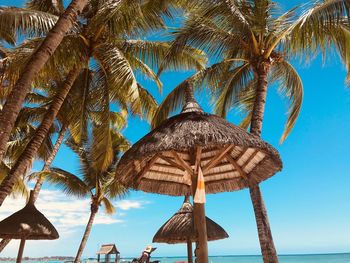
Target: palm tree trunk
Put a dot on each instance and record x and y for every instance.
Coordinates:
(4, 243)
(31, 149)
(94, 210)
(48, 162)
(268, 249)
(37, 61)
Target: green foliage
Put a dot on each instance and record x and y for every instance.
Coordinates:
(98, 160)
(241, 36)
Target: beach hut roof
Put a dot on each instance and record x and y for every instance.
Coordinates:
(180, 228)
(27, 223)
(108, 249)
(230, 157)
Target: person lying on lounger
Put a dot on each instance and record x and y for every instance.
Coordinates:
(145, 256)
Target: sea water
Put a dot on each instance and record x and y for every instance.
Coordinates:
(327, 258)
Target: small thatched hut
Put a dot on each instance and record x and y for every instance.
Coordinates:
(108, 250)
(27, 224)
(180, 229)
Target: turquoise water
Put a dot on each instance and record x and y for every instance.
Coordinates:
(329, 258)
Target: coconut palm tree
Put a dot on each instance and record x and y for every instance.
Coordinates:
(77, 113)
(252, 46)
(105, 39)
(23, 85)
(96, 177)
(73, 118)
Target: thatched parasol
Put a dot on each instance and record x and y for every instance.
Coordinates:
(27, 224)
(180, 229)
(169, 159)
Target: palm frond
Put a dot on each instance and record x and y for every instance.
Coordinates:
(69, 53)
(311, 31)
(109, 207)
(54, 7)
(290, 86)
(20, 188)
(118, 73)
(77, 115)
(126, 17)
(237, 80)
(68, 182)
(156, 54)
(115, 189)
(146, 71)
(147, 102)
(175, 99)
(28, 22)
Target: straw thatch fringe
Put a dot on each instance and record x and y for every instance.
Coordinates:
(150, 164)
(27, 223)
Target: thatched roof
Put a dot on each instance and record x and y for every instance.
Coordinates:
(108, 249)
(27, 223)
(180, 228)
(230, 157)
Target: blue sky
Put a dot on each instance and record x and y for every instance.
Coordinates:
(308, 202)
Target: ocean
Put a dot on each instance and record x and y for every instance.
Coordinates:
(326, 258)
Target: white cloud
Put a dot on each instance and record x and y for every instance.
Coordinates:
(67, 213)
(128, 204)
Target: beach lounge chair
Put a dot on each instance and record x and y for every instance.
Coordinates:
(146, 256)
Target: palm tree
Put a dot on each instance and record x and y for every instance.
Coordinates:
(252, 46)
(73, 117)
(23, 85)
(96, 179)
(105, 38)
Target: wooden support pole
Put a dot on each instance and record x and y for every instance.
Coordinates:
(4, 242)
(189, 251)
(20, 251)
(200, 222)
(201, 228)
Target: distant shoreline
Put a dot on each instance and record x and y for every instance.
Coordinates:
(66, 258)
(53, 258)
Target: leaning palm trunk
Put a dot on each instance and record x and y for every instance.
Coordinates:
(32, 148)
(265, 236)
(41, 179)
(94, 210)
(48, 162)
(39, 58)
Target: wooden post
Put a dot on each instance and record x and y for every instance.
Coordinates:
(200, 223)
(20, 251)
(4, 242)
(189, 251)
(201, 228)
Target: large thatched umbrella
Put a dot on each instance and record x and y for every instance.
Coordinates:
(27, 224)
(191, 145)
(180, 229)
